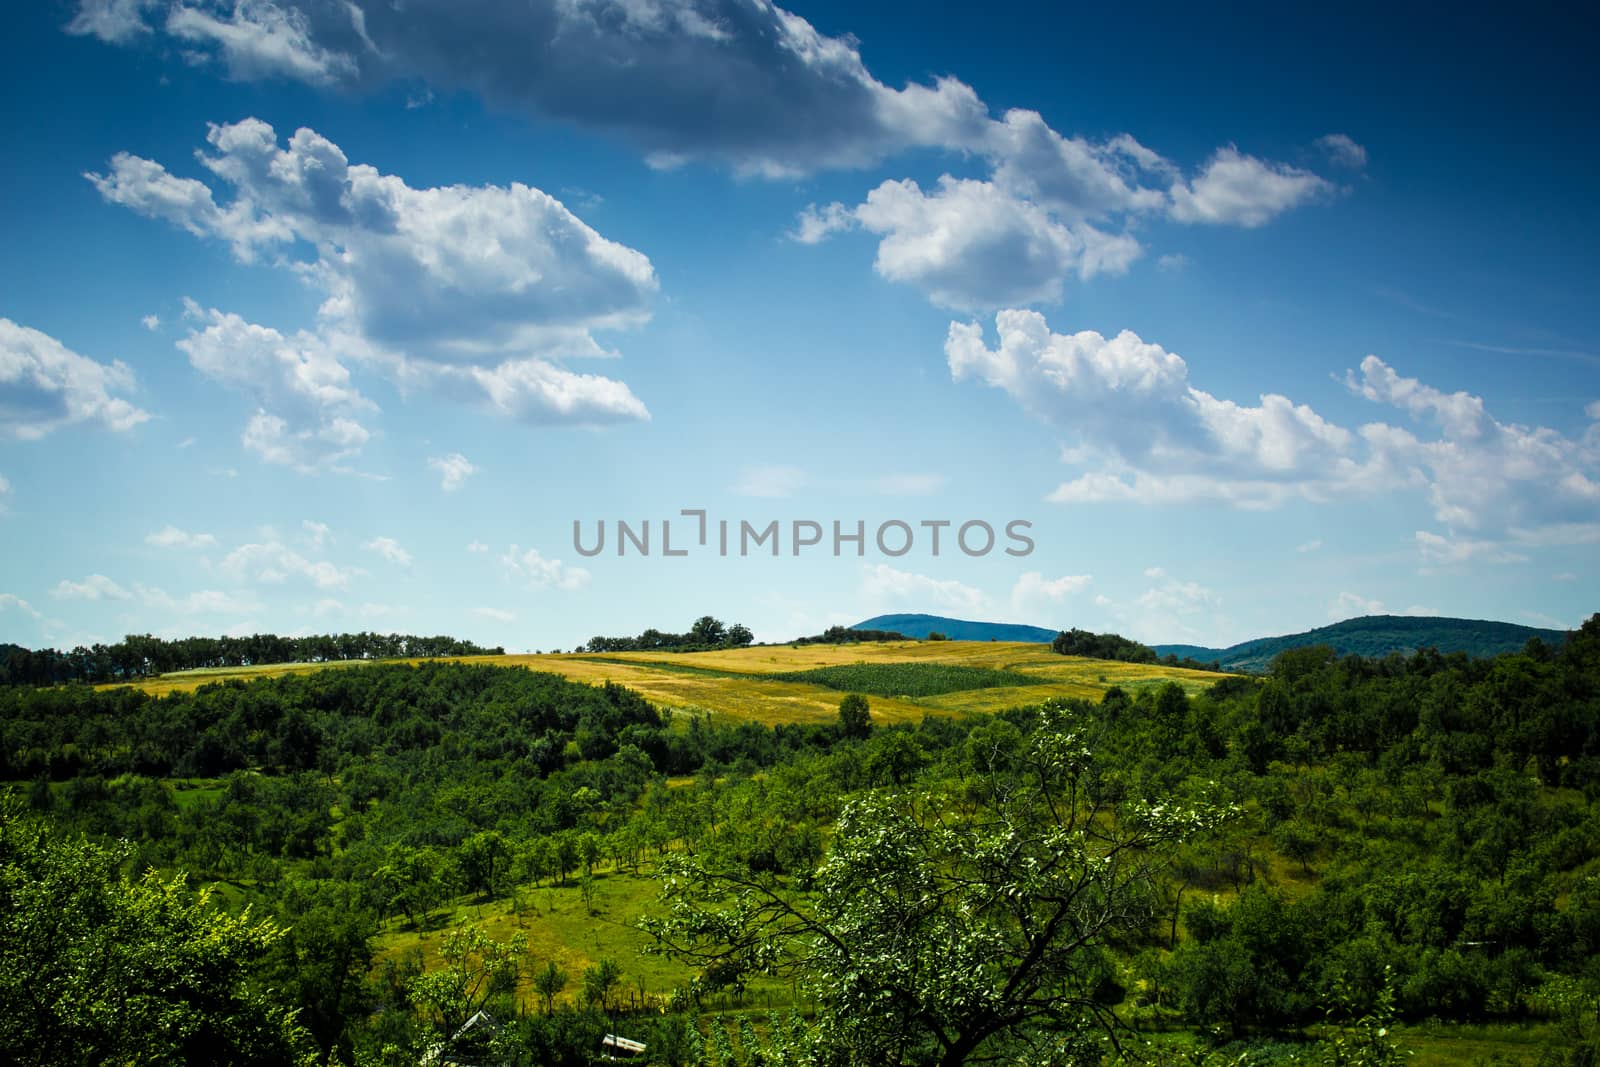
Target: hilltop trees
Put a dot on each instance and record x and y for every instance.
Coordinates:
(707, 632)
(1077, 642)
(139, 655)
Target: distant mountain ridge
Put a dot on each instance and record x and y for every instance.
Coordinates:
(1369, 635)
(1374, 636)
(920, 626)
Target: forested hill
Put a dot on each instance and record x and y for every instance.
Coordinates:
(920, 626)
(1376, 636)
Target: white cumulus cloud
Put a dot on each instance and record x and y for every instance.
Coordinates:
(1235, 189)
(478, 290)
(971, 244)
(1146, 434)
(45, 386)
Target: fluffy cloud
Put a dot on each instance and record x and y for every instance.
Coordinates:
(473, 289)
(94, 587)
(541, 573)
(259, 39)
(457, 273)
(1234, 189)
(170, 536)
(495, 614)
(1133, 399)
(453, 469)
(883, 584)
(970, 244)
(739, 81)
(539, 392)
(44, 386)
(1073, 178)
(271, 562)
(1146, 434)
(758, 88)
(1017, 237)
(296, 374)
(389, 549)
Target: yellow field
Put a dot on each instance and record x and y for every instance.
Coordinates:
(674, 681)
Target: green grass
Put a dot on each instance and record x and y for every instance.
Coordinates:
(908, 679)
(559, 927)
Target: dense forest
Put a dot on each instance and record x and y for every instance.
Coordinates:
(1305, 867)
(140, 655)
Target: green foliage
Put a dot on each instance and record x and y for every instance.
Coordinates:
(476, 968)
(707, 632)
(141, 655)
(1418, 828)
(95, 968)
(548, 983)
(1077, 642)
(855, 716)
(843, 635)
(600, 981)
(931, 938)
(905, 679)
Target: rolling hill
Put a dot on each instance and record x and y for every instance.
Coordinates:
(920, 626)
(1375, 635)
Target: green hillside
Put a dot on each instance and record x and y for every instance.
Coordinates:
(920, 626)
(1376, 636)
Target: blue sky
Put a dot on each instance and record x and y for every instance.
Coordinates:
(318, 315)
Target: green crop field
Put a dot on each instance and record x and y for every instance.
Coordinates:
(908, 679)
